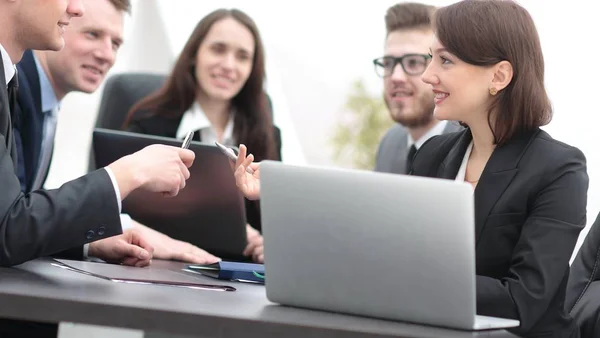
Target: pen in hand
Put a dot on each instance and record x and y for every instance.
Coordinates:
(229, 153)
(187, 140)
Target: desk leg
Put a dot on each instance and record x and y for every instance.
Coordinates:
(76, 330)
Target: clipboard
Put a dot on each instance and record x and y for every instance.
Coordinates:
(134, 275)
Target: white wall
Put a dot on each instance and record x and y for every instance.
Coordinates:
(315, 49)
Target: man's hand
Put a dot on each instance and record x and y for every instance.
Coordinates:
(158, 168)
(255, 247)
(129, 248)
(169, 248)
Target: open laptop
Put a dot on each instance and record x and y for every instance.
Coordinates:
(209, 212)
(380, 245)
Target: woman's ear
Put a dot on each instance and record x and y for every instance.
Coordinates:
(503, 74)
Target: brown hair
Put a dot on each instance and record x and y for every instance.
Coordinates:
(253, 122)
(483, 33)
(122, 5)
(408, 15)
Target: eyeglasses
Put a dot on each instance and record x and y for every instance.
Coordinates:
(412, 64)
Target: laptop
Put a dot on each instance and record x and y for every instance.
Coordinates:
(209, 212)
(388, 246)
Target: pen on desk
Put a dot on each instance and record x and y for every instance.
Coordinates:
(187, 140)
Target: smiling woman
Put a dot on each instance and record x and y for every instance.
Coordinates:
(487, 70)
(216, 91)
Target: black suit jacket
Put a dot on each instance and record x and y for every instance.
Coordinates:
(46, 222)
(530, 205)
(583, 290)
(30, 119)
(167, 127)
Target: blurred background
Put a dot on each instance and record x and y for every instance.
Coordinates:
(326, 97)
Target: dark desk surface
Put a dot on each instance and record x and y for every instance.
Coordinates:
(38, 291)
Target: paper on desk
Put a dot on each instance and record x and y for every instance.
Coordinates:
(134, 275)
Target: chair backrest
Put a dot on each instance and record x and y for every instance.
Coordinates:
(121, 92)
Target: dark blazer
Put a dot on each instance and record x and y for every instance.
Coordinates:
(530, 205)
(46, 222)
(30, 120)
(393, 148)
(583, 290)
(167, 127)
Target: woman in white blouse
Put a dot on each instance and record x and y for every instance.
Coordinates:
(216, 90)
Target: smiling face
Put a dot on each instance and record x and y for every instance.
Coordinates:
(224, 60)
(408, 98)
(47, 22)
(461, 89)
(91, 46)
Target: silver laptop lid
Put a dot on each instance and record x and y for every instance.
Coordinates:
(382, 245)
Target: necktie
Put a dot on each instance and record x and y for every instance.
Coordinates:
(13, 86)
(409, 158)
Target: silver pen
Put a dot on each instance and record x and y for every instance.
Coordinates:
(187, 140)
(229, 153)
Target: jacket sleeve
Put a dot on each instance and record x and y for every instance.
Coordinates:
(46, 222)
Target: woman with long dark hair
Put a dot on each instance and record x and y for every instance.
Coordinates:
(216, 90)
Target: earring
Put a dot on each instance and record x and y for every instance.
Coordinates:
(493, 91)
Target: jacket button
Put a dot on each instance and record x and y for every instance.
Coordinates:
(101, 230)
(90, 234)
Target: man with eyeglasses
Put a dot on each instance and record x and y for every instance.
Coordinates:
(409, 100)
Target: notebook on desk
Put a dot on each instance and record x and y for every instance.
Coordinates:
(230, 271)
(388, 246)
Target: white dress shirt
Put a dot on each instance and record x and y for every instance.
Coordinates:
(9, 67)
(438, 129)
(195, 119)
(462, 171)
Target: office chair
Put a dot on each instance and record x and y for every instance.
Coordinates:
(120, 93)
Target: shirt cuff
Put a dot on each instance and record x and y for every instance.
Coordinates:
(86, 248)
(126, 222)
(113, 179)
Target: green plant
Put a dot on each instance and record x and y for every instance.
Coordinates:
(360, 128)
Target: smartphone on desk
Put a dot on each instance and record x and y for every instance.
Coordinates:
(232, 155)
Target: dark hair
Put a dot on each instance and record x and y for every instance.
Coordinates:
(408, 15)
(253, 121)
(483, 33)
(122, 5)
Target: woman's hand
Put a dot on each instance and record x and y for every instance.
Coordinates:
(249, 184)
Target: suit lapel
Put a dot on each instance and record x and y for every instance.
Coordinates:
(498, 173)
(28, 69)
(449, 167)
(5, 121)
(31, 127)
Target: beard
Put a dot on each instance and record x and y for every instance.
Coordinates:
(422, 116)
